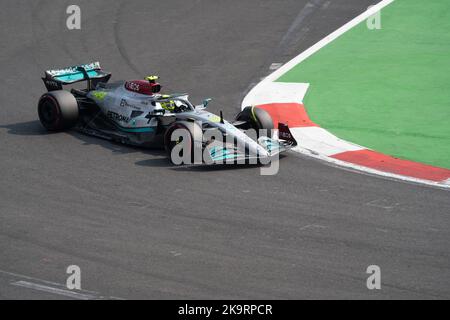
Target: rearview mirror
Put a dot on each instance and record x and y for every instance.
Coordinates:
(206, 101)
(204, 104)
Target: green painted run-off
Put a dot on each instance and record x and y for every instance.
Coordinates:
(387, 89)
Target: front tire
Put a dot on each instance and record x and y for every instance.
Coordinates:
(194, 145)
(257, 119)
(58, 110)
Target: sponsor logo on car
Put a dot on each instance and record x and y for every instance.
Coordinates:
(124, 103)
(133, 86)
(74, 69)
(214, 118)
(117, 117)
(52, 84)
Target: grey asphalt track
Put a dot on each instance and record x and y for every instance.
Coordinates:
(140, 228)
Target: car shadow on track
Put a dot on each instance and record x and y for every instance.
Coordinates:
(29, 128)
(216, 167)
(195, 168)
(34, 128)
(158, 156)
(202, 167)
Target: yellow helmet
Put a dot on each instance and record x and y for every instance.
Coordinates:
(152, 78)
(168, 105)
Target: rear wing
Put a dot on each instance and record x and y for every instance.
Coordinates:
(92, 73)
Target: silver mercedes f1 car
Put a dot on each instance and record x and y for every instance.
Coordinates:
(135, 112)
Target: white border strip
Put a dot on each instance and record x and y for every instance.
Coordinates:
(53, 290)
(349, 165)
(276, 92)
(322, 43)
(21, 280)
(310, 51)
(253, 93)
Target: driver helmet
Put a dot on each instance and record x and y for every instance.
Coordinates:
(168, 105)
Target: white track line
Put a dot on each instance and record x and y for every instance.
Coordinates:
(276, 92)
(21, 280)
(322, 141)
(252, 95)
(53, 290)
(349, 165)
(322, 43)
(260, 95)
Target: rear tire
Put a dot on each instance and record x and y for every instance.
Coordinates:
(257, 119)
(58, 110)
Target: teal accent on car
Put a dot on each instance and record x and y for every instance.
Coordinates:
(271, 145)
(76, 76)
(223, 154)
(224, 157)
(136, 130)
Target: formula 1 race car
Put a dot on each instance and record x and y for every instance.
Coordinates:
(135, 112)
